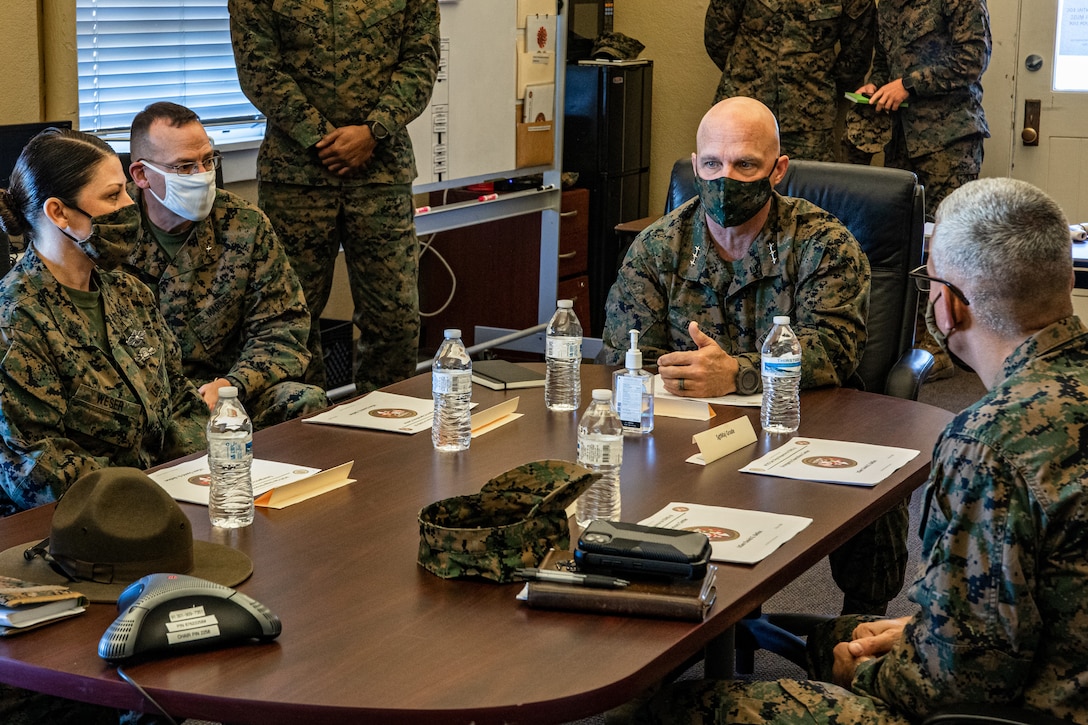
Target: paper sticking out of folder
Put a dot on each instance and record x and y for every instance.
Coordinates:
(275, 484)
(306, 488)
(494, 417)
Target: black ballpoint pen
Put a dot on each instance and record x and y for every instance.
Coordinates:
(598, 581)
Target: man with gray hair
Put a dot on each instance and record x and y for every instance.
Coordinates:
(1003, 594)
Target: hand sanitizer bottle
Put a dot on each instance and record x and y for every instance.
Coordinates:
(633, 397)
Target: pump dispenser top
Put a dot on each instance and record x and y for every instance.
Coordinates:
(634, 355)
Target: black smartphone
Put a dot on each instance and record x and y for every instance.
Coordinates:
(616, 546)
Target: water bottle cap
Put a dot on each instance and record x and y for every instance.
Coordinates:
(781, 319)
(451, 332)
(565, 304)
(228, 391)
(602, 394)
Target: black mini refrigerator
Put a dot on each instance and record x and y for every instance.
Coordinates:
(606, 141)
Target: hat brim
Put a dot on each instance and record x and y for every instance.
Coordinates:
(215, 562)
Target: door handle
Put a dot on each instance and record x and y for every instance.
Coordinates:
(1030, 133)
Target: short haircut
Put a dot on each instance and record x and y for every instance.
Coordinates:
(1008, 243)
(174, 114)
(58, 162)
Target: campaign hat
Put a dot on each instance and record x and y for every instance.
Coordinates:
(114, 526)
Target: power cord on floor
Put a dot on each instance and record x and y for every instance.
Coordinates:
(143, 693)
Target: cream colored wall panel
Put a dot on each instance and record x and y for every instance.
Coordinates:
(684, 78)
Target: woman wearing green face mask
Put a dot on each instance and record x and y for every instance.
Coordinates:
(89, 374)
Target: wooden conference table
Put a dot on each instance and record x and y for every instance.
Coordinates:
(368, 635)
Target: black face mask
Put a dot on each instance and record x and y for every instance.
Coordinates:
(730, 202)
(113, 236)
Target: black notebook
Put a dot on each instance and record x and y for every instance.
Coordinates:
(505, 375)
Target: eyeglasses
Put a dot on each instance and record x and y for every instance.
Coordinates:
(191, 167)
(925, 282)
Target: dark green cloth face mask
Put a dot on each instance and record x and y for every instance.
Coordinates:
(730, 202)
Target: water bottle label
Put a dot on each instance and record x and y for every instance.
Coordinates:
(599, 451)
(783, 365)
(234, 450)
(563, 348)
(629, 392)
(451, 381)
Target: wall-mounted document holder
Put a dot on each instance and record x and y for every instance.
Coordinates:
(534, 142)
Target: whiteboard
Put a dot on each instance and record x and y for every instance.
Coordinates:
(468, 129)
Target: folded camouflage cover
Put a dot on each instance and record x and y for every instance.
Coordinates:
(512, 522)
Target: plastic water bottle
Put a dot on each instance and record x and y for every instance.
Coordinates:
(600, 449)
(563, 352)
(781, 365)
(230, 457)
(451, 386)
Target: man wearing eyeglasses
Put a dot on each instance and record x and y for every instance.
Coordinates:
(1002, 615)
(223, 281)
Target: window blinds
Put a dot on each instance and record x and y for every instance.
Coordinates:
(135, 52)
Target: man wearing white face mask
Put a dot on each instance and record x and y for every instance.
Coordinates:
(223, 281)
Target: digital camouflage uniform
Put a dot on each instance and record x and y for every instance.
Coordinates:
(236, 307)
(796, 56)
(312, 66)
(818, 275)
(66, 406)
(941, 48)
(1004, 587)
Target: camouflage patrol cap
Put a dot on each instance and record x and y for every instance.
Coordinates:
(867, 129)
(616, 46)
(512, 522)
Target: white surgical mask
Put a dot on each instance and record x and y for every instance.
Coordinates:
(190, 196)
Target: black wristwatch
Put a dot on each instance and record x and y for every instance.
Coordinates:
(908, 85)
(747, 380)
(377, 130)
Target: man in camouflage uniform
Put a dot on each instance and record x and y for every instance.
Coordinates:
(932, 54)
(222, 279)
(703, 284)
(1003, 595)
(798, 57)
(339, 80)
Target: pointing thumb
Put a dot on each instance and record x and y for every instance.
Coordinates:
(697, 336)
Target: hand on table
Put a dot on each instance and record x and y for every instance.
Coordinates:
(706, 372)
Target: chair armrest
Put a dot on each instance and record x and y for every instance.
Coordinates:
(980, 714)
(909, 372)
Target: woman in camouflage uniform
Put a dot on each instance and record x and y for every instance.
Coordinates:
(89, 374)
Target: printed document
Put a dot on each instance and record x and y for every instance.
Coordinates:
(815, 459)
(737, 536)
(381, 411)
